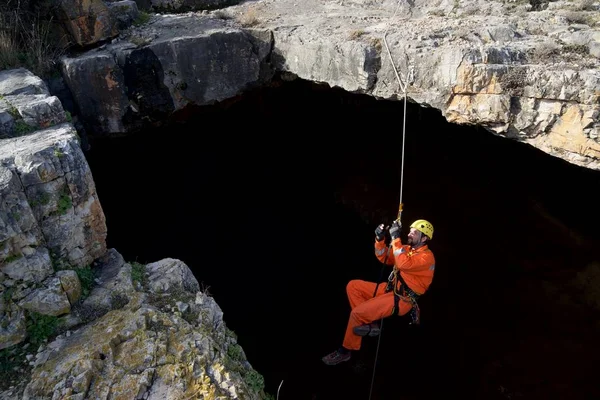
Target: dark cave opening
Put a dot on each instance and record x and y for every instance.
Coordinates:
(272, 200)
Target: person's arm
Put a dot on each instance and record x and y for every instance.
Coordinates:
(381, 252)
(407, 260)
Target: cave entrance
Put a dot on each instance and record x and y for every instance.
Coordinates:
(272, 200)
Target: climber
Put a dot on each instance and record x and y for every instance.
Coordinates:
(413, 267)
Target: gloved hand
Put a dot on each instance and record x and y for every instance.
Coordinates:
(380, 232)
(395, 230)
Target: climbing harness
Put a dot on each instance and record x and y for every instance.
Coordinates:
(397, 297)
(403, 292)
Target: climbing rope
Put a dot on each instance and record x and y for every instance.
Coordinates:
(402, 85)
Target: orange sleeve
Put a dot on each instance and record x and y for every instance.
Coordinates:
(381, 251)
(408, 261)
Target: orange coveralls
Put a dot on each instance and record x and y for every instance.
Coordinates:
(416, 267)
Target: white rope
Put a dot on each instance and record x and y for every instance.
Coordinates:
(402, 85)
(403, 88)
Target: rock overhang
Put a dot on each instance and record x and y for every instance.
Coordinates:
(486, 70)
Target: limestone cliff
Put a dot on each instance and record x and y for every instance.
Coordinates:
(76, 320)
(526, 70)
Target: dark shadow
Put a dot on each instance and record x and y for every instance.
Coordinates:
(272, 199)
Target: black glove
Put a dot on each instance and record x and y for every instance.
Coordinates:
(395, 230)
(380, 232)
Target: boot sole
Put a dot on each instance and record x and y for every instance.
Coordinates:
(366, 331)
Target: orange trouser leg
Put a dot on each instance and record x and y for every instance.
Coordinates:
(366, 308)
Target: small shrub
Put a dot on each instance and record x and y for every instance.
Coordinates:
(545, 52)
(12, 257)
(87, 313)
(255, 381)
(514, 80)
(437, 13)
(12, 361)
(220, 14)
(64, 204)
(356, 34)
(22, 128)
(586, 5)
(86, 277)
(142, 18)
(12, 110)
(576, 17)
(40, 327)
(235, 352)
(139, 41)
(538, 5)
(118, 300)
(7, 295)
(138, 273)
(41, 198)
(376, 42)
(576, 49)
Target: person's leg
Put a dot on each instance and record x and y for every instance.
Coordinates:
(359, 291)
(371, 310)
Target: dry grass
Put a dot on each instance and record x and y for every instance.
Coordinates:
(27, 39)
(356, 34)
(9, 50)
(249, 18)
(376, 43)
(584, 5)
(576, 17)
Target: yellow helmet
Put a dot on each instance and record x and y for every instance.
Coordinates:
(424, 227)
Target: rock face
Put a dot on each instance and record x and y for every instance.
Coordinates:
(525, 70)
(50, 218)
(49, 202)
(172, 62)
(26, 104)
(88, 21)
(141, 332)
(124, 12)
(527, 75)
(187, 5)
(165, 339)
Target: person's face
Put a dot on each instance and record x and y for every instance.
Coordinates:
(414, 237)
